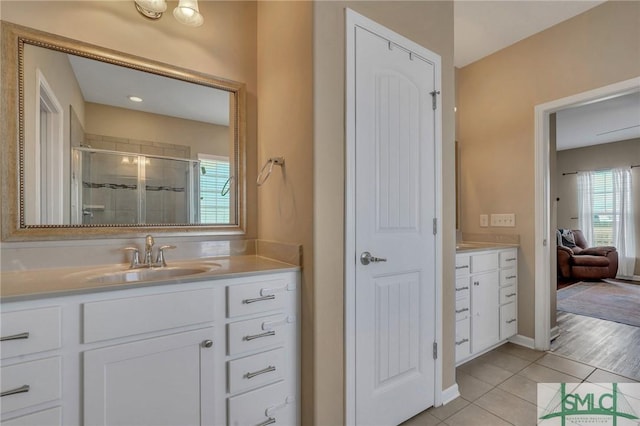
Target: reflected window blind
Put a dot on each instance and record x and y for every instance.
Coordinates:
(604, 210)
(214, 173)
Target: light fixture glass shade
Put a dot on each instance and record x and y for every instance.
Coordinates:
(152, 9)
(187, 13)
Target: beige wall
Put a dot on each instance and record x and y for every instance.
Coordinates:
(429, 24)
(606, 156)
(285, 128)
(497, 96)
(224, 46)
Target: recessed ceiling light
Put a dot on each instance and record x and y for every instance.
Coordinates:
(135, 99)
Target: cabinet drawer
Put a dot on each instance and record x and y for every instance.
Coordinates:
(508, 321)
(508, 294)
(462, 265)
(30, 331)
(111, 319)
(256, 370)
(40, 381)
(255, 334)
(462, 309)
(51, 417)
(462, 288)
(484, 262)
(462, 339)
(257, 297)
(509, 258)
(508, 276)
(269, 405)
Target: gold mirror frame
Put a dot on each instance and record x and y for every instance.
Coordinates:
(13, 227)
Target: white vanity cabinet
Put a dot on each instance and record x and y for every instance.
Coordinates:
(218, 352)
(486, 300)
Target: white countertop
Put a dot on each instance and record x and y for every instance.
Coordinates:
(470, 246)
(40, 283)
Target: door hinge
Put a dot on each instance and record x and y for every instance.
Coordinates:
(435, 350)
(435, 225)
(434, 95)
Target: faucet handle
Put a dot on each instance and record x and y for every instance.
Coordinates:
(160, 259)
(135, 256)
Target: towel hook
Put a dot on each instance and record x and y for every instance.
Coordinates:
(262, 176)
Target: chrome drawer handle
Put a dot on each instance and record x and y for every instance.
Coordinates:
(462, 267)
(459, 311)
(257, 336)
(511, 320)
(511, 259)
(270, 421)
(461, 342)
(21, 389)
(510, 295)
(510, 277)
(15, 337)
(462, 288)
(269, 369)
(259, 299)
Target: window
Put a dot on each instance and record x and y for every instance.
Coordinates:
(214, 175)
(604, 213)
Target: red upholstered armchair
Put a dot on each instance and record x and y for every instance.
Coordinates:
(583, 262)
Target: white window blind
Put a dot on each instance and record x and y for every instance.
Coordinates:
(214, 174)
(605, 213)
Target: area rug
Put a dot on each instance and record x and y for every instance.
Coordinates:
(611, 301)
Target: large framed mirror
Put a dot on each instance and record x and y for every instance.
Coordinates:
(99, 143)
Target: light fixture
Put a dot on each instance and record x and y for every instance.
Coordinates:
(134, 98)
(186, 13)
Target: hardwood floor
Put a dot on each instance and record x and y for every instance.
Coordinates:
(605, 344)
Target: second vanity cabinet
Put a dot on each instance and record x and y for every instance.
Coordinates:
(486, 300)
(218, 352)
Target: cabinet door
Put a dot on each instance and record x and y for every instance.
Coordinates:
(485, 323)
(161, 381)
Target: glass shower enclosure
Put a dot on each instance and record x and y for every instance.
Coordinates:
(112, 187)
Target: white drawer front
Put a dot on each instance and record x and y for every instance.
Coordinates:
(269, 405)
(462, 309)
(111, 319)
(257, 297)
(50, 417)
(462, 339)
(508, 276)
(509, 258)
(484, 262)
(508, 294)
(462, 288)
(256, 370)
(463, 266)
(30, 331)
(508, 321)
(255, 334)
(42, 378)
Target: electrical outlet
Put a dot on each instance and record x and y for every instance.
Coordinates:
(503, 220)
(484, 220)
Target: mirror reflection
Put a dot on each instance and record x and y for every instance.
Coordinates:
(109, 145)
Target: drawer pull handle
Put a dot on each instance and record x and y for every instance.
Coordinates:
(510, 259)
(259, 299)
(269, 421)
(21, 389)
(462, 288)
(269, 369)
(459, 311)
(511, 320)
(15, 337)
(257, 336)
(510, 295)
(462, 267)
(510, 277)
(461, 342)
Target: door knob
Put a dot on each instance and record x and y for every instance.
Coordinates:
(207, 344)
(366, 258)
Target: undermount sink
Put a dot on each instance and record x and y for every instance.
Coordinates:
(150, 274)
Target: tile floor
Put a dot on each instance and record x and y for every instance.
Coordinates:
(499, 387)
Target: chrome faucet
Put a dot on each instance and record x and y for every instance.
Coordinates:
(148, 255)
(148, 250)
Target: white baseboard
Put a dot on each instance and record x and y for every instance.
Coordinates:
(555, 332)
(521, 340)
(636, 278)
(450, 394)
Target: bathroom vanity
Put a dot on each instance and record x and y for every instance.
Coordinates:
(486, 298)
(212, 349)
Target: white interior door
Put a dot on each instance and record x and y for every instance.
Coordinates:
(395, 206)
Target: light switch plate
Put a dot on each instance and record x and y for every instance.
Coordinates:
(484, 220)
(507, 220)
